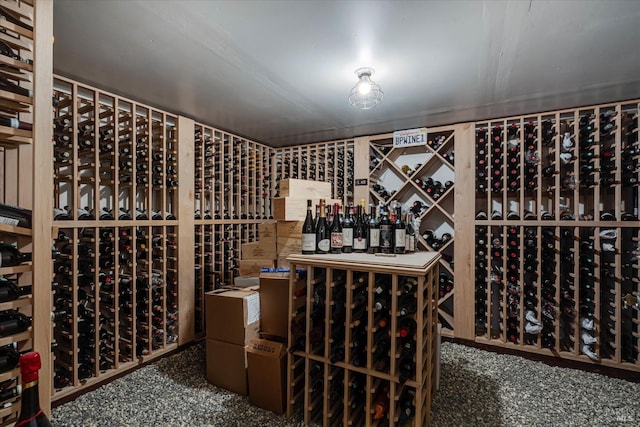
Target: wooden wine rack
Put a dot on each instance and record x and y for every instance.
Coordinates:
(401, 173)
(233, 192)
(20, 176)
(329, 162)
(564, 241)
(344, 390)
(121, 284)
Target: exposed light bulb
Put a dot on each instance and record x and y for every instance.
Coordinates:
(364, 88)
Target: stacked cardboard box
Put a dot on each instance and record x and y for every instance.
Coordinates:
(294, 193)
(277, 241)
(232, 320)
(290, 210)
(274, 306)
(267, 374)
(262, 253)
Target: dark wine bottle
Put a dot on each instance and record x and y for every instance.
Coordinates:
(9, 290)
(336, 231)
(30, 413)
(386, 233)
(15, 216)
(308, 232)
(374, 232)
(8, 358)
(359, 232)
(347, 231)
(13, 322)
(400, 232)
(10, 256)
(15, 123)
(9, 16)
(323, 243)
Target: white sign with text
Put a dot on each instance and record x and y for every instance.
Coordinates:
(410, 137)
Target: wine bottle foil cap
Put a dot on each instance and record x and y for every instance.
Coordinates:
(30, 364)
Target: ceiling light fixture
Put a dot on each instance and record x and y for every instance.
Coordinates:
(366, 94)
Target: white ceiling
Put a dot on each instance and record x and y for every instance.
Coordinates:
(280, 72)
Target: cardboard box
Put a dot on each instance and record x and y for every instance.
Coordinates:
(305, 189)
(247, 282)
(295, 209)
(251, 267)
(227, 366)
(290, 228)
(274, 305)
(267, 231)
(267, 374)
(283, 262)
(289, 245)
(260, 250)
(232, 315)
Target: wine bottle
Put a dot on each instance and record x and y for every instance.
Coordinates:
(400, 232)
(360, 232)
(386, 232)
(9, 16)
(15, 216)
(336, 231)
(15, 123)
(9, 290)
(30, 412)
(347, 231)
(374, 232)
(308, 232)
(10, 256)
(13, 322)
(323, 243)
(381, 402)
(8, 358)
(407, 304)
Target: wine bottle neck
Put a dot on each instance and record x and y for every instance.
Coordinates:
(30, 403)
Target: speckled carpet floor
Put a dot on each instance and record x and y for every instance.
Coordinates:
(477, 388)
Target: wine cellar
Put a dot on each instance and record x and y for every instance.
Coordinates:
(509, 234)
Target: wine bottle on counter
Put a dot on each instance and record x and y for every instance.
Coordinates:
(336, 231)
(308, 232)
(360, 232)
(347, 230)
(374, 232)
(323, 243)
(386, 232)
(399, 229)
(30, 412)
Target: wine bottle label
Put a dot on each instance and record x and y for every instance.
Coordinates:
(324, 245)
(386, 236)
(360, 243)
(410, 242)
(8, 221)
(347, 236)
(336, 240)
(400, 237)
(374, 237)
(308, 242)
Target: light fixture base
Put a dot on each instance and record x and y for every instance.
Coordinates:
(364, 71)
